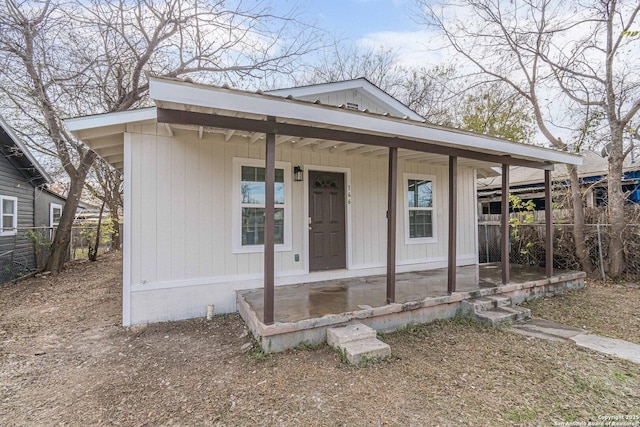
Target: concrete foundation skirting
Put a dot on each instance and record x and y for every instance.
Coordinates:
(388, 318)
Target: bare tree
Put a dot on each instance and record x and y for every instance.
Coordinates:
(347, 61)
(430, 92)
(559, 58)
(427, 91)
(60, 58)
(106, 184)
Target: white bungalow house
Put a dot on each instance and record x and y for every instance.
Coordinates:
(357, 183)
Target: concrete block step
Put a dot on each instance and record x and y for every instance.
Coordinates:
(477, 305)
(521, 313)
(502, 315)
(340, 336)
(499, 300)
(358, 351)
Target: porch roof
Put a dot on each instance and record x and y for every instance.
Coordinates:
(305, 125)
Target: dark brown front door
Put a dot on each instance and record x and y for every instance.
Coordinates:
(327, 249)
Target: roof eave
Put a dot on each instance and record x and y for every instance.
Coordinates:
(39, 172)
(189, 94)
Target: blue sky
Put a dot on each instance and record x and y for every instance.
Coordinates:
(355, 19)
(371, 24)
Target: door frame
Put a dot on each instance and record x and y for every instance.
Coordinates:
(347, 203)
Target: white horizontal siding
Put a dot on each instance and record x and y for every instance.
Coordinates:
(181, 210)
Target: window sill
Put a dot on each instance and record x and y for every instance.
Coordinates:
(8, 233)
(420, 241)
(260, 249)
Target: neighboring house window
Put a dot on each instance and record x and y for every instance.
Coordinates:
(249, 187)
(55, 212)
(9, 215)
(420, 218)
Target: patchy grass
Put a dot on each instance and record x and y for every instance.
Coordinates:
(608, 309)
(91, 371)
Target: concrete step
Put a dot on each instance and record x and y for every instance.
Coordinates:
(358, 342)
(359, 351)
(502, 315)
(521, 313)
(340, 336)
(499, 300)
(477, 305)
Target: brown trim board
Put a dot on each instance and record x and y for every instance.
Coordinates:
(302, 131)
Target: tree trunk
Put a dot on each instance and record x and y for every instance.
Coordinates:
(93, 251)
(62, 238)
(115, 221)
(578, 222)
(615, 198)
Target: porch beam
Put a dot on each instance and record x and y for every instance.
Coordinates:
(347, 146)
(325, 145)
(305, 142)
(361, 150)
(269, 226)
(504, 225)
(282, 139)
(228, 134)
(392, 196)
(453, 226)
(548, 219)
(303, 131)
(254, 138)
(377, 151)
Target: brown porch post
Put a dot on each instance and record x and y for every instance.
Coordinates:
(504, 225)
(269, 226)
(453, 215)
(548, 219)
(392, 192)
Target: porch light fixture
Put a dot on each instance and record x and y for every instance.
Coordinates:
(298, 173)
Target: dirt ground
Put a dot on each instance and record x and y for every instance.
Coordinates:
(65, 360)
(608, 309)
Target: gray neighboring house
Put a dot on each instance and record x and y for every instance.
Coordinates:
(22, 178)
(48, 208)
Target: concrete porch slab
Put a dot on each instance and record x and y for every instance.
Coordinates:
(304, 312)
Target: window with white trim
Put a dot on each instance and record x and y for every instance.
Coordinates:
(55, 212)
(249, 210)
(420, 216)
(9, 205)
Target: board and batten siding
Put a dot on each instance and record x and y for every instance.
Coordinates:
(353, 96)
(15, 184)
(181, 213)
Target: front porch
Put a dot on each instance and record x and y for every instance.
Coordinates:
(304, 312)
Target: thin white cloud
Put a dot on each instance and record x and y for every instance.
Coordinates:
(413, 48)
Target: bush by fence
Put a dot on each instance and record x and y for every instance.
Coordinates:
(527, 245)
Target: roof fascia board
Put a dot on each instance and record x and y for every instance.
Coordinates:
(76, 124)
(162, 90)
(25, 151)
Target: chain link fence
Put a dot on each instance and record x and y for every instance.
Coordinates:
(527, 246)
(27, 251)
